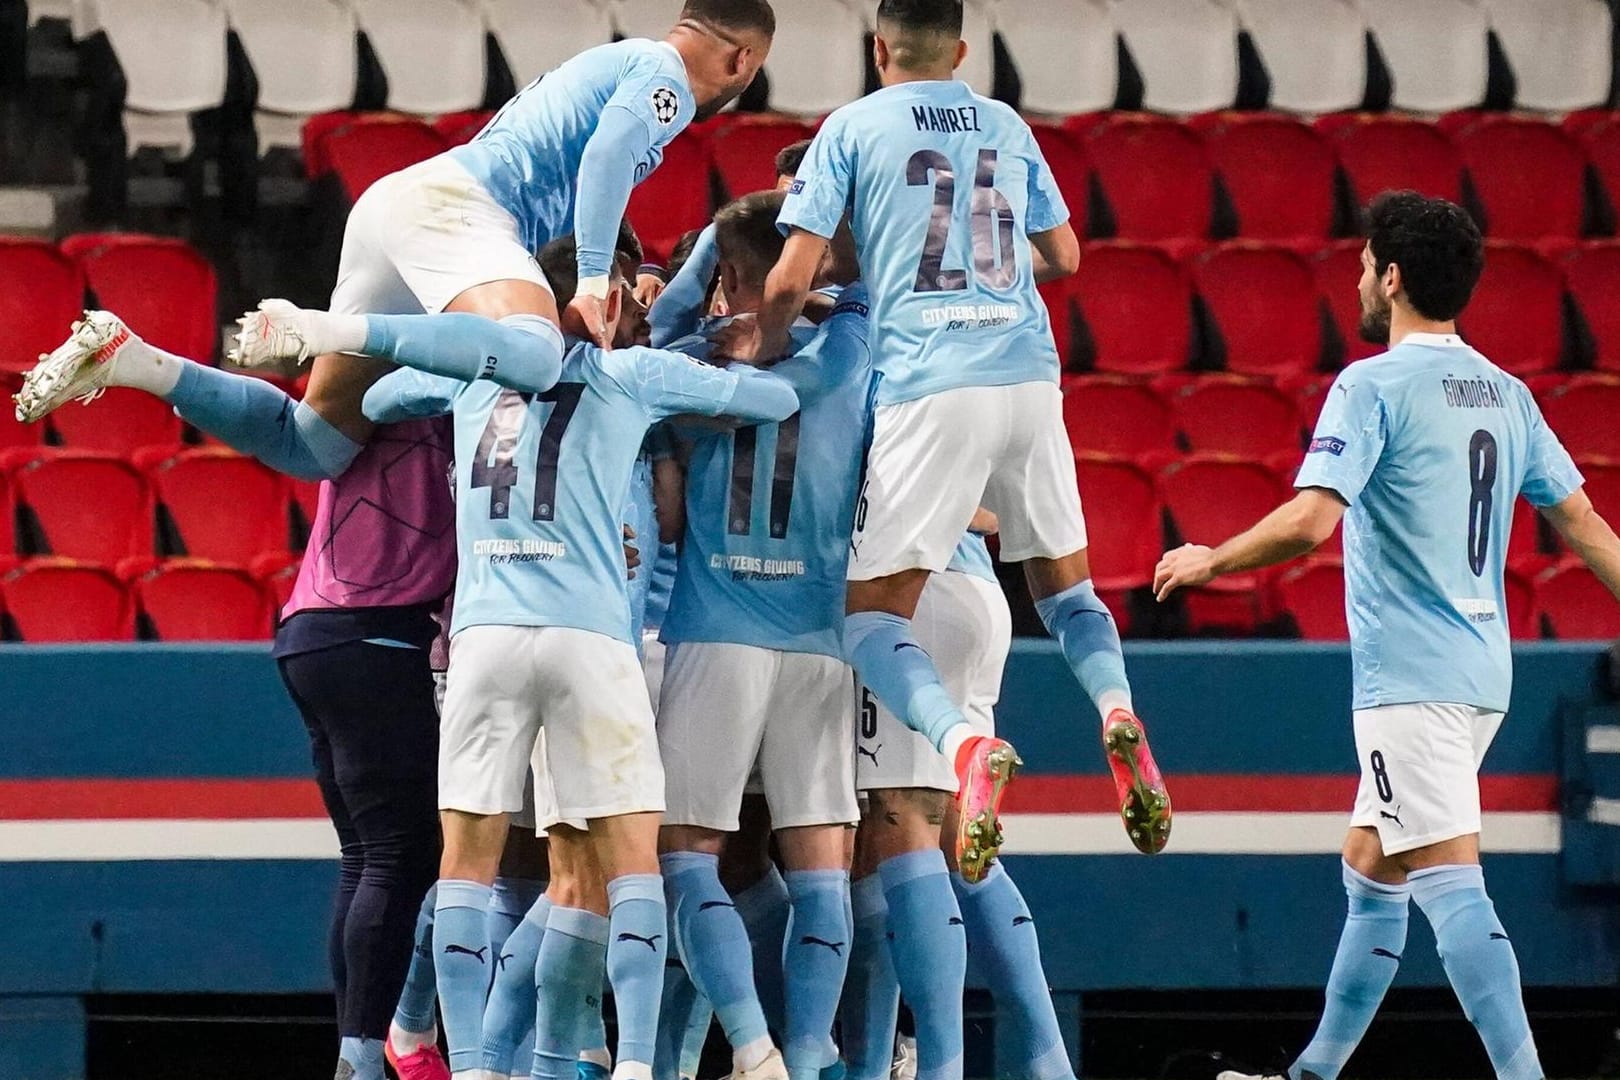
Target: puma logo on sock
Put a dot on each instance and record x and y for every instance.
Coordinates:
(707, 904)
(1020, 920)
(1386, 954)
(650, 942)
(955, 921)
(1498, 937)
(500, 961)
(477, 954)
(837, 947)
(908, 645)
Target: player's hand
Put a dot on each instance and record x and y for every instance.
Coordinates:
(649, 287)
(1187, 567)
(739, 341)
(592, 311)
(632, 553)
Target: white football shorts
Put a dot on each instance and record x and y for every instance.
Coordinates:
(1420, 772)
(725, 706)
(419, 238)
(600, 753)
(936, 460)
(964, 624)
(652, 665)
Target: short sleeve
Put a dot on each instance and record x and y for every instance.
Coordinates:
(821, 191)
(1550, 475)
(669, 384)
(1047, 210)
(1349, 438)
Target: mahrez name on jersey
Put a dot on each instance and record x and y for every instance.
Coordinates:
(946, 120)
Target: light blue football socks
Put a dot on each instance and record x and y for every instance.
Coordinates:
(816, 960)
(461, 957)
(871, 1002)
(509, 1015)
(883, 651)
(1086, 632)
(637, 947)
(929, 946)
(568, 980)
(521, 352)
(763, 908)
(1369, 955)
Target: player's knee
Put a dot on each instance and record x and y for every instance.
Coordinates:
(533, 351)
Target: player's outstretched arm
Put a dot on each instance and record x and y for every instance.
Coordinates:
(1295, 528)
(607, 172)
(410, 395)
(766, 337)
(1589, 536)
(679, 309)
(1057, 253)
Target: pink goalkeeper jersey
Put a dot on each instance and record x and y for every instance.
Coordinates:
(385, 531)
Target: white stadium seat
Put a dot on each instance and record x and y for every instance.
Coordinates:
(1560, 51)
(303, 57)
(173, 56)
(49, 9)
(818, 60)
(1186, 51)
(644, 18)
(536, 38)
(1437, 51)
(979, 31)
(432, 52)
(1315, 52)
(1076, 71)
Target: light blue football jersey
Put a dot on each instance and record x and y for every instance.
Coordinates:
(972, 557)
(650, 588)
(529, 156)
(1430, 444)
(770, 508)
(944, 188)
(543, 480)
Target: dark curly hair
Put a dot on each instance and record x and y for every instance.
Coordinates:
(1436, 244)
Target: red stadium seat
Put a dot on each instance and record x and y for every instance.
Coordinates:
(120, 421)
(13, 432)
(1593, 275)
(745, 152)
(675, 198)
(1313, 594)
(458, 129)
(1603, 486)
(1338, 282)
(82, 506)
(162, 287)
(1599, 133)
(1212, 497)
(1134, 306)
(1584, 412)
(1059, 299)
(1278, 172)
(1516, 317)
(1380, 153)
(221, 505)
(64, 600)
(196, 600)
(370, 147)
(1575, 606)
(1263, 304)
(1524, 538)
(1529, 176)
(41, 293)
(276, 573)
(1520, 592)
(1107, 414)
(1156, 175)
(1231, 415)
(1124, 551)
(1066, 156)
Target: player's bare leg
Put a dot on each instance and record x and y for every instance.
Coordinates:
(715, 947)
(1086, 631)
(904, 895)
(900, 672)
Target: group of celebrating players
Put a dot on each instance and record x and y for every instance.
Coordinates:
(721, 591)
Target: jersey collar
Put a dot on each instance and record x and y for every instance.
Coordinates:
(1435, 341)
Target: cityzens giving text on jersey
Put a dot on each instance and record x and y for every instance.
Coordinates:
(503, 552)
(753, 568)
(954, 317)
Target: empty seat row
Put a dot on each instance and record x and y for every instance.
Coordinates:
(1565, 602)
(162, 287)
(204, 502)
(1144, 309)
(56, 599)
(1155, 421)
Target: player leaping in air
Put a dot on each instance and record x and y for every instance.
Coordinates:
(956, 218)
(451, 237)
(1422, 452)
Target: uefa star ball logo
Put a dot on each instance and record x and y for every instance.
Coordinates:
(665, 105)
